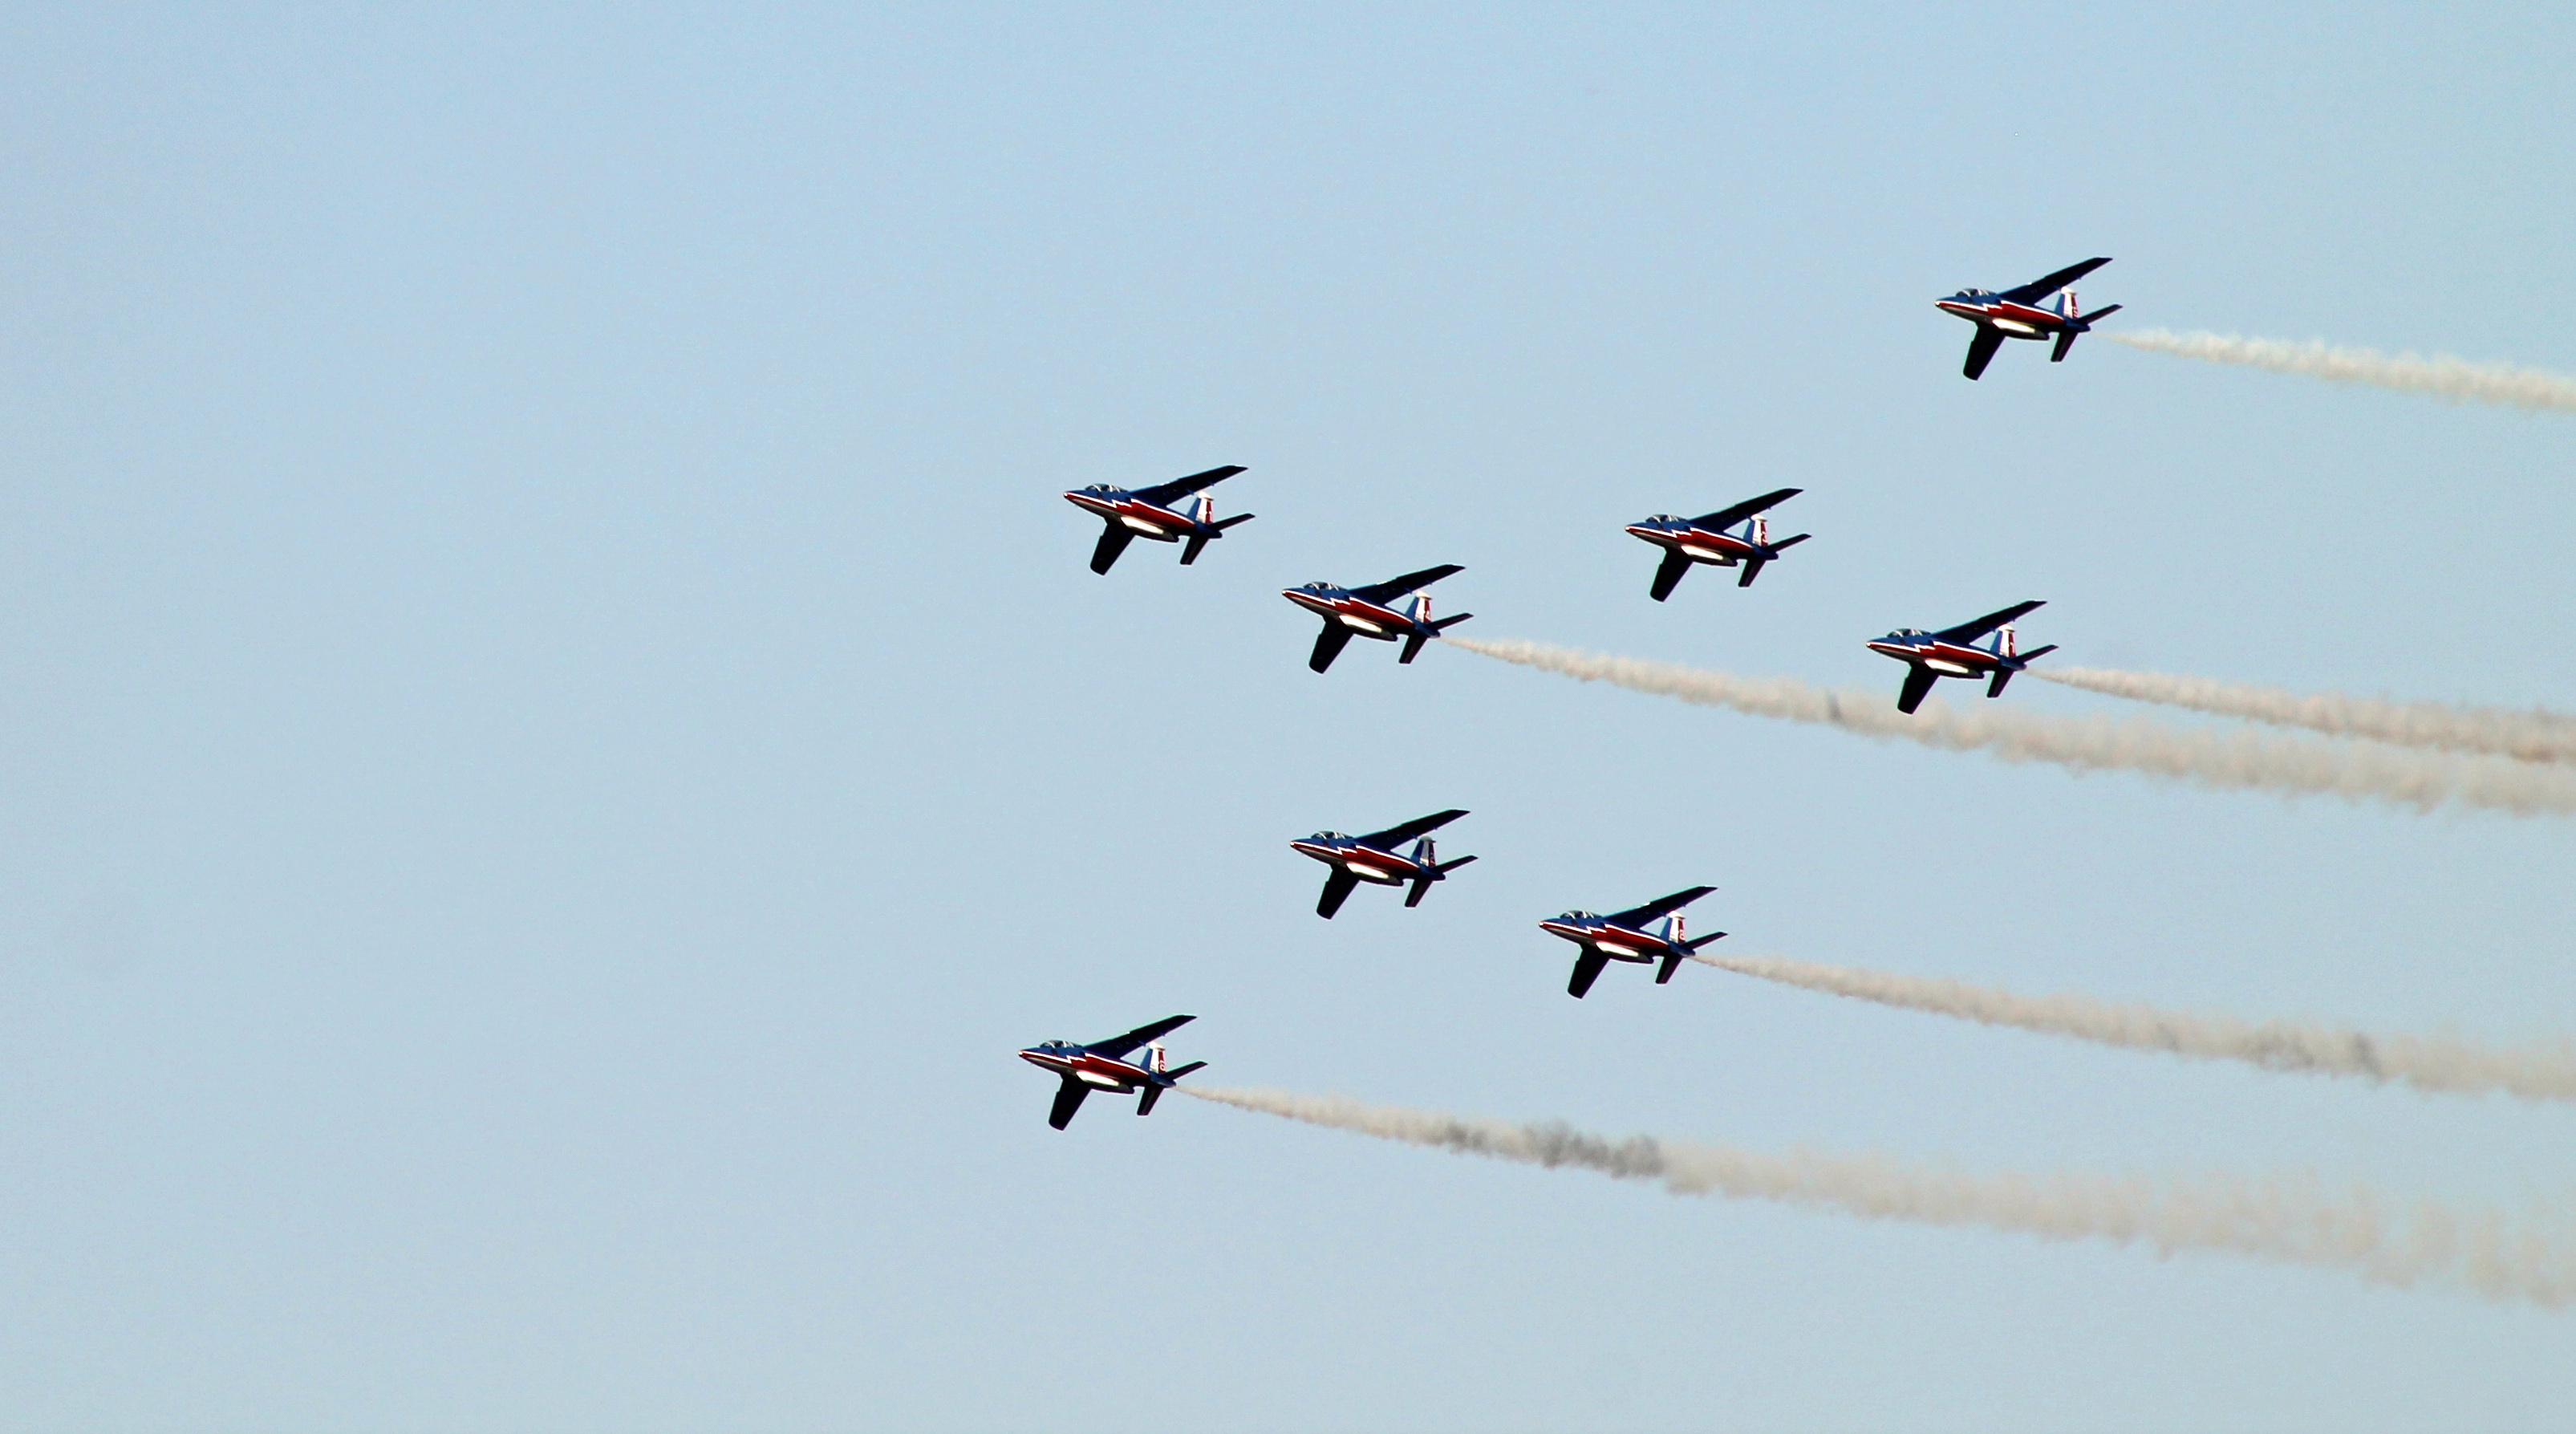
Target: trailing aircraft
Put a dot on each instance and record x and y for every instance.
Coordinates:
(2019, 314)
(1705, 539)
(1103, 1065)
(1373, 857)
(1952, 652)
(1622, 936)
(1130, 513)
(1363, 612)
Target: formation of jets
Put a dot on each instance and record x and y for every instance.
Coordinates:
(1399, 611)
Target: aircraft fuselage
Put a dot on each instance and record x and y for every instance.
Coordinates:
(1617, 942)
(1362, 617)
(1144, 519)
(1700, 545)
(1089, 1067)
(1366, 862)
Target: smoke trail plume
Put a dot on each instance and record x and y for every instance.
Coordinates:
(2289, 1220)
(2428, 1063)
(2442, 375)
(2239, 760)
(2534, 736)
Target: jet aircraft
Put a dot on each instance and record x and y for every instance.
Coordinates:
(1622, 936)
(1952, 652)
(1103, 1065)
(1363, 612)
(1128, 514)
(2019, 314)
(1373, 857)
(1704, 539)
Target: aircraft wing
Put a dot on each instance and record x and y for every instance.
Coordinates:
(1746, 509)
(1162, 493)
(1068, 1099)
(1407, 831)
(1971, 631)
(1636, 916)
(1117, 1047)
(2054, 282)
(1398, 587)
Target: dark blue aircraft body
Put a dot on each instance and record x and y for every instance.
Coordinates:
(1623, 936)
(1147, 513)
(1354, 859)
(1103, 1065)
(1952, 652)
(1706, 539)
(1365, 612)
(2022, 314)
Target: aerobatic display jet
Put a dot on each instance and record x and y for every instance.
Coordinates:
(1131, 513)
(1103, 1065)
(1363, 612)
(1623, 936)
(1705, 539)
(1952, 652)
(2021, 314)
(1373, 857)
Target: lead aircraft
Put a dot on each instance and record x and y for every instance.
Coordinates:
(2019, 314)
(1363, 612)
(1147, 513)
(1705, 539)
(1103, 1065)
(1373, 857)
(1622, 936)
(1952, 652)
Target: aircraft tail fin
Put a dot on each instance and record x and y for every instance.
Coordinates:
(1426, 856)
(2004, 640)
(1206, 513)
(1155, 1058)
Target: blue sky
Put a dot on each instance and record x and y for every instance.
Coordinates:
(557, 734)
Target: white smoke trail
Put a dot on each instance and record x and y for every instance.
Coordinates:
(2443, 376)
(2536, 735)
(2289, 1220)
(2428, 1063)
(2238, 760)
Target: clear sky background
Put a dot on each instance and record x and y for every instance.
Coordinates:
(555, 733)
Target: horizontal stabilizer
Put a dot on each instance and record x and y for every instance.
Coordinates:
(1447, 867)
(1672, 963)
(2098, 315)
(1421, 884)
(1224, 523)
(2037, 652)
(2065, 341)
(1790, 542)
(1198, 545)
(1447, 623)
(1145, 1102)
(1696, 942)
(1752, 569)
(1176, 1072)
(1995, 684)
(1413, 647)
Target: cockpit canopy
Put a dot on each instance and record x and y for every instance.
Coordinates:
(1318, 585)
(1663, 518)
(1976, 293)
(1098, 488)
(1911, 632)
(1328, 836)
(1580, 916)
